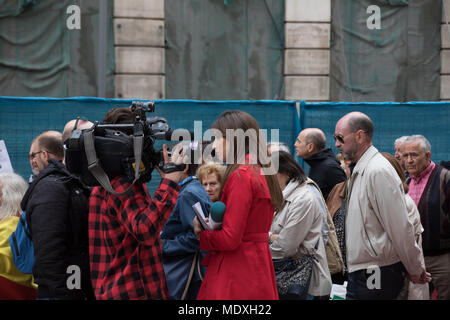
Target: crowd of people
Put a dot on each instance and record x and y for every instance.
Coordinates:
(376, 222)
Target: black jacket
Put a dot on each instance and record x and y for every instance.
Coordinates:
(325, 170)
(60, 237)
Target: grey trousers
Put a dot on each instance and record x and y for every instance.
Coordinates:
(439, 267)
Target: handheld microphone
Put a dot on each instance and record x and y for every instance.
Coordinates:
(216, 214)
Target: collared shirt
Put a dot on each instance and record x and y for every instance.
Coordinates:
(188, 179)
(124, 243)
(418, 183)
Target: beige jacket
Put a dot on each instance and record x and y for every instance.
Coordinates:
(378, 231)
(299, 228)
(332, 250)
(416, 291)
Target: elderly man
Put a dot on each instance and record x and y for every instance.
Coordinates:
(430, 190)
(379, 237)
(325, 169)
(398, 147)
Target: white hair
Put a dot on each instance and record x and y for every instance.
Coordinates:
(13, 189)
(424, 143)
(401, 140)
(280, 145)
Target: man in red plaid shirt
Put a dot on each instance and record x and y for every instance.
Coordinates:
(124, 243)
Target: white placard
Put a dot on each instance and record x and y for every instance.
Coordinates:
(5, 162)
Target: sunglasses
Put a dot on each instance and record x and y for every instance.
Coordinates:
(340, 138)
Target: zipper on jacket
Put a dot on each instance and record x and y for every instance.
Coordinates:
(367, 235)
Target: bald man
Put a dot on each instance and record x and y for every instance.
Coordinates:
(57, 205)
(380, 241)
(48, 145)
(325, 169)
(74, 124)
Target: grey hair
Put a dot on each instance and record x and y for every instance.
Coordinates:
(401, 140)
(281, 146)
(424, 143)
(13, 189)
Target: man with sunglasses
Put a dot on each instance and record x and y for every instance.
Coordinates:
(380, 241)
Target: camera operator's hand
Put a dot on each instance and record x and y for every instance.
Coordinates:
(177, 157)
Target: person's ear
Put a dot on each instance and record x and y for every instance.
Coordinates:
(46, 155)
(428, 155)
(359, 136)
(310, 147)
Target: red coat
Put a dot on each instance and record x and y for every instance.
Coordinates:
(239, 261)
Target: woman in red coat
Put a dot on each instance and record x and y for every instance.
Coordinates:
(239, 263)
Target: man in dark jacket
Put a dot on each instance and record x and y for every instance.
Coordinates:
(57, 205)
(430, 189)
(325, 169)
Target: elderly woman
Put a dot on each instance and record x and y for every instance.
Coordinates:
(211, 176)
(296, 231)
(14, 284)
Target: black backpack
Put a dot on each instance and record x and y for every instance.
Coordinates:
(78, 219)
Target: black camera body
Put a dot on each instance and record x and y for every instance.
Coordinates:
(114, 146)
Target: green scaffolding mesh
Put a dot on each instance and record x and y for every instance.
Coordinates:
(224, 50)
(41, 57)
(394, 58)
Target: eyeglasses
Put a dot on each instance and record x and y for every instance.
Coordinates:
(33, 154)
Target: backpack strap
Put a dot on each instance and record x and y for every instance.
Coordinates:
(99, 173)
(191, 273)
(24, 225)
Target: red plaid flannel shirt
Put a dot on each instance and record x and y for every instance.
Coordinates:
(124, 244)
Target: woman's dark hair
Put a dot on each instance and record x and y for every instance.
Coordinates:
(289, 166)
(119, 116)
(237, 119)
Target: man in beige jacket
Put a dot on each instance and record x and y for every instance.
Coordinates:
(380, 241)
